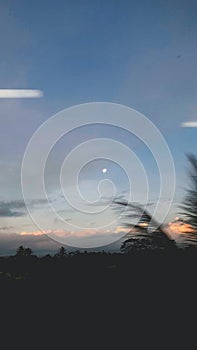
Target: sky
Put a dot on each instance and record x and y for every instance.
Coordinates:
(140, 54)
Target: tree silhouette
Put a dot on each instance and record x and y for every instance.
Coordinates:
(189, 205)
(61, 252)
(21, 251)
(147, 233)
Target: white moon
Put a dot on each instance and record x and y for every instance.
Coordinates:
(104, 170)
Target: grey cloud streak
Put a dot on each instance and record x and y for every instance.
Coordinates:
(17, 208)
(12, 208)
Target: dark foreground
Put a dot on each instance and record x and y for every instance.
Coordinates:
(113, 297)
(145, 271)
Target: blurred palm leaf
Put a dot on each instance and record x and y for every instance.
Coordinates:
(189, 205)
(140, 235)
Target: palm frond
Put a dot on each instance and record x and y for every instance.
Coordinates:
(140, 237)
(188, 209)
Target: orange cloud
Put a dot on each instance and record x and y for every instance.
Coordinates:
(82, 233)
(121, 229)
(33, 233)
(180, 227)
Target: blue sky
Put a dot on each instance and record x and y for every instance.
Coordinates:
(142, 54)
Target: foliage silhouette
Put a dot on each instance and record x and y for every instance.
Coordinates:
(61, 252)
(147, 233)
(189, 205)
(21, 251)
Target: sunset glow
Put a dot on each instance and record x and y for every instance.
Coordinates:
(81, 233)
(180, 227)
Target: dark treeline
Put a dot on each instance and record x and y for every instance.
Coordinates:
(139, 290)
(95, 292)
(66, 268)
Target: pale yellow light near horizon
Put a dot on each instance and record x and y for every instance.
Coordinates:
(20, 93)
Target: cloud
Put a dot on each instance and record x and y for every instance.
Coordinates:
(41, 244)
(85, 238)
(191, 124)
(6, 228)
(180, 227)
(14, 204)
(77, 234)
(33, 233)
(39, 201)
(11, 208)
(120, 229)
(6, 212)
(17, 208)
(20, 93)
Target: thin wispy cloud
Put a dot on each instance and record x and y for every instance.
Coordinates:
(20, 93)
(192, 124)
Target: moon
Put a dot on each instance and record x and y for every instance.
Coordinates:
(104, 170)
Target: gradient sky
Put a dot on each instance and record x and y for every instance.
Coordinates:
(142, 54)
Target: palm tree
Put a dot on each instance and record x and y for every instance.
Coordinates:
(189, 205)
(140, 235)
